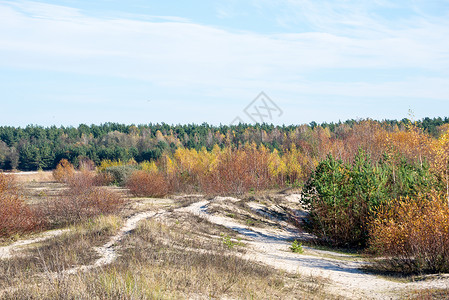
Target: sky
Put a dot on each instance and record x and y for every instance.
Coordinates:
(145, 61)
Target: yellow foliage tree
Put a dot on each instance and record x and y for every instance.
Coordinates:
(149, 167)
(292, 160)
(276, 166)
(441, 161)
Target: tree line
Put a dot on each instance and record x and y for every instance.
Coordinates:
(36, 147)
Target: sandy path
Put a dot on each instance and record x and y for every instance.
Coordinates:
(108, 252)
(9, 251)
(272, 248)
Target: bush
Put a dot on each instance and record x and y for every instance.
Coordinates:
(103, 179)
(64, 171)
(121, 174)
(82, 200)
(150, 184)
(86, 164)
(338, 196)
(82, 180)
(413, 233)
(343, 198)
(15, 216)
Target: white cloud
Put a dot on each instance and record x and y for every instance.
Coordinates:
(178, 54)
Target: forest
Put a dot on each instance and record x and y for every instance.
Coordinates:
(39, 148)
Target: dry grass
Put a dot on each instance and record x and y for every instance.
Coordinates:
(160, 263)
(179, 272)
(429, 294)
(194, 232)
(39, 176)
(180, 256)
(71, 249)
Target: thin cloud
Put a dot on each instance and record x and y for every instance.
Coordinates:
(178, 54)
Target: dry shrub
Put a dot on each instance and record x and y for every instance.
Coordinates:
(82, 200)
(15, 216)
(413, 234)
(86, 164)
(103, 179)
(237, 172)
(152, 184)
(64, 171)
(81, 179)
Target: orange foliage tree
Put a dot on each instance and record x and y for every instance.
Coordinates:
(64, 171)
(413, 235)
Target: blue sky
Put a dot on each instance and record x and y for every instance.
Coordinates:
(71, 62)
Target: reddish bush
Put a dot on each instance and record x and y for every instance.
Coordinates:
(15, 216)
(83, 179)
(237, 172)
(102, 179)
(82, 200)
(152, 184)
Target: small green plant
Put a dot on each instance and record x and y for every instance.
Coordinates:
(251, 222)
(297, 184)
(229, 243)
(296, 247)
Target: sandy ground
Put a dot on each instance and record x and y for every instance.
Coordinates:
(36, 176)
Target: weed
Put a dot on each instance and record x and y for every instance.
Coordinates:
(250, 222)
